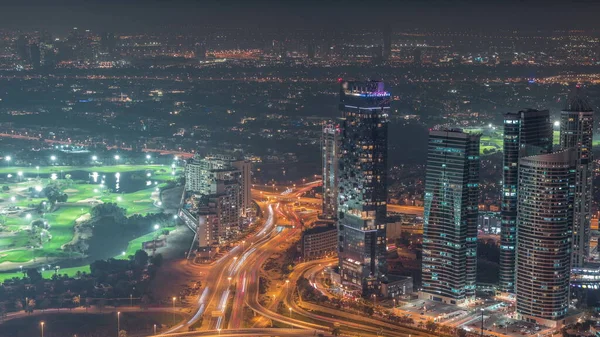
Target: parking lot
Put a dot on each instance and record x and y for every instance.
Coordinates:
(424, 309)
(497, 317)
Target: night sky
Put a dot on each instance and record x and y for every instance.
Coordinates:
(138, 15)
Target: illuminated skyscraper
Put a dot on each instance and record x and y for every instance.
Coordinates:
(577, 131)
(544, 234)
(330, 143)
(362, 184)
(449, 264)
(526, 133)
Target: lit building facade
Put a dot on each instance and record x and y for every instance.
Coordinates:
(319, 242)
(526, 133)
(219, 187)
(449, 262)
(330, 142)
(544, 234)
(362, 185)
(577, 131)
(245, 179)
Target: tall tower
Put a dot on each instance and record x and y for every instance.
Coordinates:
(245, 178)
(526, 133)
(449, 264)
(387, 42)
(577, 131)
(544, 233)
(330, 143)
(362, 183)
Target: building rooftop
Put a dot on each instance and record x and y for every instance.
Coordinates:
(319, 229)
(577, 102)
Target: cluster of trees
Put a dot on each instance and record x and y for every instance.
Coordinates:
(54, 194)
(575, 330)
(142, 221)
(263, 285)
(108, 209)
(135, 221)
(308, 292)
(108, 281)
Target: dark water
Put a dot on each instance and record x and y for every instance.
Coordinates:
(108, 241)
(125, 182)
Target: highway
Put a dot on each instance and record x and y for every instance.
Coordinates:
(237, 275)
(247, 332)
(234, 281)
(214, 297)
(346, 320)
(261, 192)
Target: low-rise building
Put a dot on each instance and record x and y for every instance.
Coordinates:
(318, 242)
(396, 286)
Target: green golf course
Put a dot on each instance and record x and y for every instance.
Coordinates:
(132, 187)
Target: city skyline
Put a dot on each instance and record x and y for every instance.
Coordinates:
(299, 168)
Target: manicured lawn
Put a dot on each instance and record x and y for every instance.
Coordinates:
(15, 242)
(61, 228)
(136, 244)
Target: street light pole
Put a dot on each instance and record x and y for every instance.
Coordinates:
(42, 324)
(174, 310)
(154, 329)
(481, 322)
(118, 322)
(291, 317)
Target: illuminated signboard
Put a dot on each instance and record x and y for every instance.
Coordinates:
(376, 94)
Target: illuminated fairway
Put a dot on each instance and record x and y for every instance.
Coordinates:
(15, 241)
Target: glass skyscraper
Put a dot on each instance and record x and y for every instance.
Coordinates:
(330, 143)
(362, 184)
(526, 133)
(577, 131)
(544, 234)
(449, 262)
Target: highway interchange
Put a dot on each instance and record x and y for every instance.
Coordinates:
(232, 285)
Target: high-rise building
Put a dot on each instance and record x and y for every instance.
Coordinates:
(526, 133)
(544, 234)
(330, 143)
(245, 177)
(218, 186)
(362, 184)
(449, 264)
(387, 42)
(576, 131)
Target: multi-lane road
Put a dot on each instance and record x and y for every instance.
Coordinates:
(233, 283)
